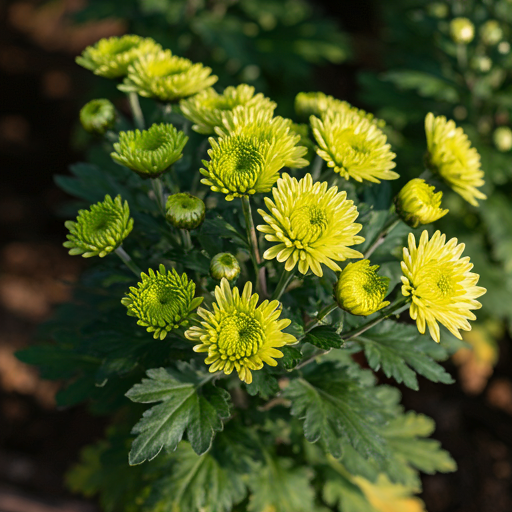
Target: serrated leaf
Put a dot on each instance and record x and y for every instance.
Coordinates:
(347, 495)
(280, 486)
(400, 350)
(197, 482)
(338, 410)
(324, 337)
(263, 384)
(291, 357)
(187, 407)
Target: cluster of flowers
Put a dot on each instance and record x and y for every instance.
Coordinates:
(307, 222)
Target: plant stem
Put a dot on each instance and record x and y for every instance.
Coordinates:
(284, 281)
(125, 257)
(462, 56)
(138, 116)
(187, 241)
(158, 189)
(391, 224)
(385, 313)
(325, 311)
(261, 284)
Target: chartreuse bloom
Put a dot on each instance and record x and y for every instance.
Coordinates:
(111, 57)
(162, 301)
(275, 134)
(166, 77)
(225, 265)
(449, 153)
(319, 104)
(311, 225)
(360, 290)
(151, 152)
(99, 230)
(185, 211)
(98, 116)
(207, 108)
(354, 147)
(442, 287)
(419, 203)
(238, 334)
(462, 30)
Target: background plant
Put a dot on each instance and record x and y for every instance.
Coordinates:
(245, 446)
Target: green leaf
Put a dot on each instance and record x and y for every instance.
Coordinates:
(324, 337)
(291, 357)
(263, 384)
(347, 495)
(187, 407)
(338, 410)
(280, 486)
(218, 227)
(197, 482)
(400, 350)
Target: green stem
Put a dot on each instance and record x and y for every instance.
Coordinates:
(138, 116)
(125, 257)
(462, 56)
(187, 241)
(261, 284)
(325, 311)
(284, 281)
(385, 313)
(158, 189)
(317, 168)
(391, 224)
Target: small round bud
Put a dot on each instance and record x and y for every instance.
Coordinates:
(98, 116)
(491, 32)
(185, 211)
(481, 63)
(504, 47)
(418, 203)
(502, 137)
(462, 30)
(225, 265)
(360, 290)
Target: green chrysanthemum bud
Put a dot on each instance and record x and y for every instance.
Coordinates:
(98, 116)
(151, 152)
(207, 108)
(111, 57)
(360, 290)
(185, 211)
(163, 301)
(462, 30)
(502, 137)
(100, 230)
(491, 32)
(225, 265)
(167, 77)
(418, 203)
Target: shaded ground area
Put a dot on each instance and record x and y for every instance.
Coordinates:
(39, 101)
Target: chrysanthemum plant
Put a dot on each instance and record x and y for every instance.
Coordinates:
(250, 304)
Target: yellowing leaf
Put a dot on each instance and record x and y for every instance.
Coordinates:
(385, 496)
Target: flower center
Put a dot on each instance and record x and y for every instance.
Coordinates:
(122, 47)
(162, 301)
(437, 282)
(170, 67)
(308, 223)
(150, 141)
(102, 221)
(241, 165)
(240, 335)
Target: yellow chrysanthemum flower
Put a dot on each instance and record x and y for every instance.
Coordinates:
(274, 133)
(360, 290)
(238, 334)
(312, 225)
(451, 156)
(166, 77)
(419, 203)
(319, 104)
(111, 57)
(354, 147)
(207, 108)
(441, 284)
